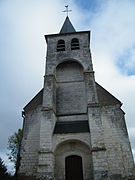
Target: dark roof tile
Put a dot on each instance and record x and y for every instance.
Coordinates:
(104, 97)
(67, 27)
(37, 100)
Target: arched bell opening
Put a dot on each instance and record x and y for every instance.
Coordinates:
(75, 44)
(61, 45)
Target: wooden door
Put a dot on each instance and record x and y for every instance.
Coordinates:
(73, 168)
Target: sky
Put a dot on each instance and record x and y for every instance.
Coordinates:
(23, 24)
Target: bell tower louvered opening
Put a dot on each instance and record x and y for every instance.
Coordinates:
(75, 44)
(61, 45)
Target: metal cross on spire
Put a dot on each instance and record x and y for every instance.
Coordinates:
(67, 10)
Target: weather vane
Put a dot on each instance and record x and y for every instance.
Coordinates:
(67, 10)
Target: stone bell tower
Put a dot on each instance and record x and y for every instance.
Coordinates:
(73, 128)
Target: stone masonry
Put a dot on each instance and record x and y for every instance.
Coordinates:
(73, 117)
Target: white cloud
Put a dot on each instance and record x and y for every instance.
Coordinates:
(133, 152)
(132, 131)
(130, 62)
(9, 165)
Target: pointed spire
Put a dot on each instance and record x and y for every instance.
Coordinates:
(67, 27)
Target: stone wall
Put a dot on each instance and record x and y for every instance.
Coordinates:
(118, 149)
(30, 142)
(70, 93)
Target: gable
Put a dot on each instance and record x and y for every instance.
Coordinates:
(104, 97)
(37, 100)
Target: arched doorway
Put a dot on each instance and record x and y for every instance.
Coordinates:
(73, 168)
(72, 153)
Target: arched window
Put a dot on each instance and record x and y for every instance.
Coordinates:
(61, 45)
(75, 44)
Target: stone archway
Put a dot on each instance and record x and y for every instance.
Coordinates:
(68, 151)
(70, 91)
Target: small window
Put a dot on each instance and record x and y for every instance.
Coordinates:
(61, 45)
(75, 44)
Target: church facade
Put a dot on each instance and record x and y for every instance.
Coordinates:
(73, 128)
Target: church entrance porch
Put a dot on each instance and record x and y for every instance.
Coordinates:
(73, 161)
(73, 168)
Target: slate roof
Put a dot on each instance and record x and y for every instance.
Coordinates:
(67, 27)
(104, 97)
(37, 100)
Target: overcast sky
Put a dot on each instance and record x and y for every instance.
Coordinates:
(23, 24)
